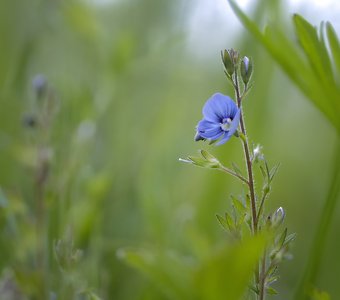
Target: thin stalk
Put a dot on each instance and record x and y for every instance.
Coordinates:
(262, 280)
(264, 196)
(318, 246)
(251, 183)
(226, 170)
(247, 157)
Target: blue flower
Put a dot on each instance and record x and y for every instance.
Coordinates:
(221, 119)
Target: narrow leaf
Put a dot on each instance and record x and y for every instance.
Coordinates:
(273, 171)
(291, 237)
(238, 205)
(223, 222)
(282, 238)
(334, 44)
(271, 291)
(237, 169)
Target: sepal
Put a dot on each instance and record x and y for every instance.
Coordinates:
(206, 160)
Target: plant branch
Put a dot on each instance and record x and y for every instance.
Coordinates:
(264, 196)
(227, 170)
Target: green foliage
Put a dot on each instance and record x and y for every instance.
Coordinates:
(309, 65)
(129, 84)
(183, 277)
(313, 66)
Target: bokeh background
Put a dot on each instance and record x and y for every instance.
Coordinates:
(129, 78)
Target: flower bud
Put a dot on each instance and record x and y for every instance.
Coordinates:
(278, 217)
(246, 69)
(257, 154)
(230, 60)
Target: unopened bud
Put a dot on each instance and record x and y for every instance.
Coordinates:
(230, 60)
(39, 84)
(246, 69)
(278, 217)
(257, 154)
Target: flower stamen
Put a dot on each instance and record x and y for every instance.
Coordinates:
(225, 125)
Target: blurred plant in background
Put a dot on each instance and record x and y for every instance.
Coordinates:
(124, 77)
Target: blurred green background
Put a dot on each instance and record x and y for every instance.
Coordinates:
(130, 78)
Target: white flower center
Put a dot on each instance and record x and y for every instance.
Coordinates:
(225, 125)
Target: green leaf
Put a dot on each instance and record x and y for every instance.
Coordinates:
(172, 273)
(313, 48)
(263, 172)
(291, 237)
(237, 169)
(271, 291)
(272, 279)
(225, 223)
(202, 162)
(238, 205)
(282, 238)
(313, 76)
(320, 295)
(229, 221)
(273, 172)
(226, 274)
(334, 44)
(205, 154)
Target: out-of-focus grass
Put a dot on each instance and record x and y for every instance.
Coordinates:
(130, 95)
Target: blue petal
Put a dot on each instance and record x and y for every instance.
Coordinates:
(234, 123)
(219, 107)
(209, 130)
(224, 139)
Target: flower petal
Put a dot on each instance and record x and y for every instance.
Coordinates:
(234, 123)
(224, 139)
(219, 107)
(209, 130)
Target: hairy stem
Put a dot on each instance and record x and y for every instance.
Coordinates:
(226, 170)
(258, 278)
(247, 158)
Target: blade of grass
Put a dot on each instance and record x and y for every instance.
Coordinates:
(314, 261)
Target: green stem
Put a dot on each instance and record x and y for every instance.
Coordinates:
(264, 196)
(262, 292)
(318, 246)
(251, 184)
(226, 170)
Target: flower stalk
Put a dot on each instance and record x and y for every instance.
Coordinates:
(251, 183)
(223, 118)
(260, 272)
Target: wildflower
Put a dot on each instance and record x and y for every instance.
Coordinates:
(221, 119)
(246, 69)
